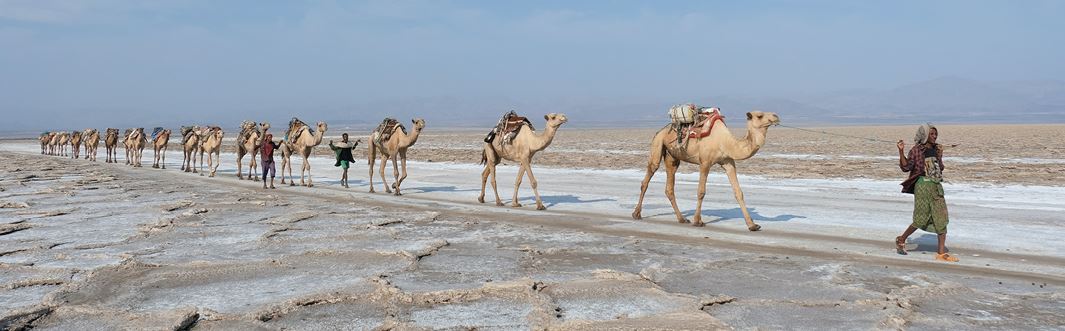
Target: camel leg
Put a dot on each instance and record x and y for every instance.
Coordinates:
(730, 170)
(240, 166)
(291, 179)
(671, 180)
(284, 162)
(532, 182)
(403, 164)
(253, 169)
(162, 163)
(484, 181)
(384, 181)
(371, 159)
(652, 166)
(395, 174)
(307, 167)
(704, 171)
(517, 184)
(495, 189)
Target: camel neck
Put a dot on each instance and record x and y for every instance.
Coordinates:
(408, 140)
(749, 145)
(541, 141)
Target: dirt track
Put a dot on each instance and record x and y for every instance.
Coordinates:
(104, 246)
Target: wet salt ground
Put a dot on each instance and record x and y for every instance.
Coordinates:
(144, 248)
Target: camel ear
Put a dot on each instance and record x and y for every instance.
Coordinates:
(414, 121)
(749, 115)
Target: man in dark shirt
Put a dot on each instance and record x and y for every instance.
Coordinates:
(343, 154)
(267, 153)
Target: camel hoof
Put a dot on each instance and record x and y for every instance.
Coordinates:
(636, 215)
(684, 220)
(500, 204)
(291, 184)
(372, 191)
(699, 224)
(541, 207)
(310, 185)
(163, 167)
(398, 194)
(516, 205)
(755, 227)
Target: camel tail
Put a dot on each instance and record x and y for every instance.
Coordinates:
(484, 157)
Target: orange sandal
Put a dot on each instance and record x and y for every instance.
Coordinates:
(946, 257)
(900, 246)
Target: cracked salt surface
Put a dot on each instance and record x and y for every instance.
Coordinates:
(145, 248)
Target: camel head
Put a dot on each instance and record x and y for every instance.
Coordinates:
(419, 124)
(555, 120)
(264, 126)
(761, 120)
(322, 127)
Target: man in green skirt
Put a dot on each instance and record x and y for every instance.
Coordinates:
(343, 155)
(925, 165)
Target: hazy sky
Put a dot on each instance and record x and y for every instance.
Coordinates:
(62, 59)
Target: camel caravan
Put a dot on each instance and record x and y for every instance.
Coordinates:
(695, 135)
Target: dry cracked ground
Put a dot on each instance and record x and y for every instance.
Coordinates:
(98, 246)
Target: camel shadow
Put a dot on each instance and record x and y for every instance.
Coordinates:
(736, 213)
(450, 188)
(552, 200)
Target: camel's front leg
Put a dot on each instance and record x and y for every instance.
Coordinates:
(307, 167)
(284, 162)
(536, 192)
(217, 161)
(162, 161)
(495, 189)
(671, 181)
(253, 169)
(704, 171)
(652, 167)
(517, 184)
(730, 170)
(395, 174)
(403, 164)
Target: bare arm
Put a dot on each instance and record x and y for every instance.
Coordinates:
(903, 164)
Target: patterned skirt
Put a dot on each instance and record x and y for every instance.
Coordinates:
(929, 207)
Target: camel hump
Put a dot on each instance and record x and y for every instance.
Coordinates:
(508, 127)
(384, 131)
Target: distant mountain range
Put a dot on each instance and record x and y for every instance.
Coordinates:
(940, 100)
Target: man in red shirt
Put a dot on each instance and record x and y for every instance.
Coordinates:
(268, 159)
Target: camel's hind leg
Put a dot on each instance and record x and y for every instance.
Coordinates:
(384, 180)
(162, 159)
(671, 179)
(240, 166)
(371, 159)
(253, 168)
(495, 189)
(730, 170)
(517, 184)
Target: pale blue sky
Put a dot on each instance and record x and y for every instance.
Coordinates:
(173, 59)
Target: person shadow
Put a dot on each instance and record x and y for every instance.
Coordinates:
(926, 242)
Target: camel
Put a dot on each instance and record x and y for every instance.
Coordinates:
(75, 144)
(46, 138)
(393, 148)
(211, 143)
(91, 139)
(160, 144)
(190, 145)
(720, 148)
(64, 139)
(135, 142)
(305, 140)
(521, 149)
(126, 143)
(248, 142)
(53, 144)
(111, 145)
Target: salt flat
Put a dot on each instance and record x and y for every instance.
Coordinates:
(93, 245)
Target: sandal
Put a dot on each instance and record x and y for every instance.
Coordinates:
(946, 257)
(900, 246)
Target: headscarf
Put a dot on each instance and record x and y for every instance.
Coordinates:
(922, 133)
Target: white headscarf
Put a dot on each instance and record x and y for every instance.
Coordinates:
(922, 133)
